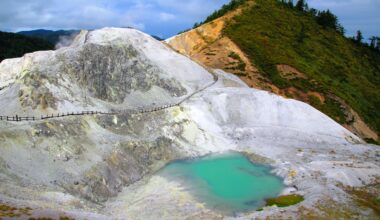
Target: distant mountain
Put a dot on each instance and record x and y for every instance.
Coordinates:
(49, 35)
(157, 38)
(15, 45)
(55, 37)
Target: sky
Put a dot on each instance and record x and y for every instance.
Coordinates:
(163, 18)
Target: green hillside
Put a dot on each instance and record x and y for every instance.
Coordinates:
(15, 45)
(272, 33)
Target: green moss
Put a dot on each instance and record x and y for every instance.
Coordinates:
(284, 201)
(270, 34)
(234, 55)
(371, 141)
(241, 73)
(210, 54)
(240, 65)
(4, 207)
(376, 202)
(65, 218)
(333, 109)
(315, 101)
(13, 212)
(367, 196)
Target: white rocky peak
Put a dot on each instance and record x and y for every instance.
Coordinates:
(106, 68)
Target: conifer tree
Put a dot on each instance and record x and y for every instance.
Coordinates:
(373, 42)
(290, 3)
(359, 36)
(327, 19)
(377, 43)
(300, 5)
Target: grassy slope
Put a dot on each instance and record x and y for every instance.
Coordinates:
(271, 34)
(15, 45)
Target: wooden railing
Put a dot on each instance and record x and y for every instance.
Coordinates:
(142, 110)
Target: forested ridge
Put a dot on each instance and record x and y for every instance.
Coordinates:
(277, 32)
(16, 45)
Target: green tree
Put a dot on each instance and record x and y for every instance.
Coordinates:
(313, 12)
(373, 42)
(327, 19)
(306, 7)
(377, 43)
(359, 36)
(341, 29)
(300, 6)
(290, 3)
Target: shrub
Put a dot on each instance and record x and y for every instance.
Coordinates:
(284, 201)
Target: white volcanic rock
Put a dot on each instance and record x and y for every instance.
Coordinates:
(103, 69)
(9, 71)
(105, 164)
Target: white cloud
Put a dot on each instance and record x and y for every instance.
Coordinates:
(166, 16)
(160, 17)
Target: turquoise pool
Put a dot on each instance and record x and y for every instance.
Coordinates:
(228, 182)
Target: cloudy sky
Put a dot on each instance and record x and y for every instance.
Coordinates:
(163, 18)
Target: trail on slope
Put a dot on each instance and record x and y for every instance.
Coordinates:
(137, 110)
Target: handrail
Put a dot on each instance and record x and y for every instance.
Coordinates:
(138, 110)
